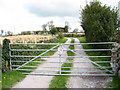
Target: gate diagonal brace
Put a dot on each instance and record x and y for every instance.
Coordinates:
(92, 62)
(37, 57)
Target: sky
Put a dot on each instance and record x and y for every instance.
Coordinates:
(30, 15)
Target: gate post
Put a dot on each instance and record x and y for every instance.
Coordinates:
(115, 59)
(10, 57)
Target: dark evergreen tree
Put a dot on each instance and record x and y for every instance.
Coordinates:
(98, 22)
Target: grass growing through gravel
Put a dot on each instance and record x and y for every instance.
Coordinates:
(10, 78)
(60, 81)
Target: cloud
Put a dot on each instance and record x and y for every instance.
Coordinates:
(23, 15)
(59, 8)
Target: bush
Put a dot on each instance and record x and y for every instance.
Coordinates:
(5, 55)
(98, 22)
(53, 31)
(54, 40)
(60, 35)
(73, 35)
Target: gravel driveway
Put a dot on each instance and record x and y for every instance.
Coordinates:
(85, 81)
(38, 81)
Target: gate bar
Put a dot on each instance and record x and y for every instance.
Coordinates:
(37, 57)
(61, 67)
(63, 50)
(61, 43)
(60, 71)
(47, 74)
(61, 56)
(93, 62)
(76, 67)
(66, 62)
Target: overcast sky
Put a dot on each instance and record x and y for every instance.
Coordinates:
(24, 15)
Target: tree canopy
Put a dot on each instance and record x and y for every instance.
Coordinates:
(98, 22)
(53, 30)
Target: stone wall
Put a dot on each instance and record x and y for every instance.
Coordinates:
(115, 59)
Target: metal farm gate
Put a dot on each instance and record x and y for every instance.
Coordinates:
(25, 57)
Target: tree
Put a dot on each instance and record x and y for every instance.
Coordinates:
(44, 27)
(50, 25)
(67, 26)
(66, 23)
(60, 29)
(75, 30)
(26, 33)
(60, 35)
(98, 22)
(66, 29)
(9, 33)
(53, 31)
(2, 32)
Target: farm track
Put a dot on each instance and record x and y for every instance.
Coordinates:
(85, 81)
(37, 81)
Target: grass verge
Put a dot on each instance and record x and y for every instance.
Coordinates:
(115, 83)
(10, 78)
(60, 81)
